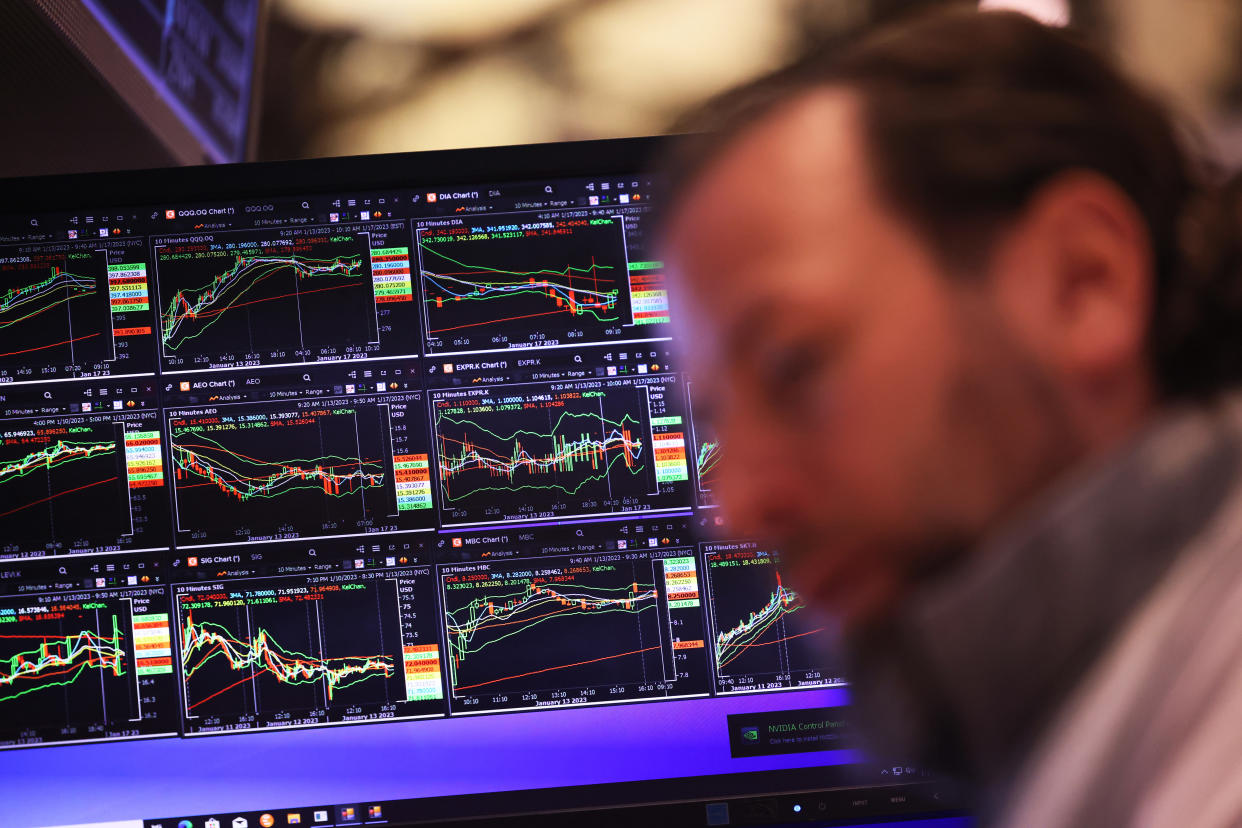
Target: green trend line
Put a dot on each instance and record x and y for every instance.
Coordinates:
(732, 643)
(227, 289)
(576, 300)
(55, 455)
(710, 452)
(43, 295)
(60, 661)
(206, 641)
(534, 605)
(599, 454)
(331, 474)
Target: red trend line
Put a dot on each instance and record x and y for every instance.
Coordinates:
(58, 494)
(779, 640)
(561, 667)
(273, 298)
(53, 345)
(58, 637)
(494, 321)
(569, 277)
(218, 692)
(530, 620)
(206, 448)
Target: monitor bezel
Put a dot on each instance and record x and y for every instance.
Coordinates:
(112, 62)
(531, 162)
(125, 188)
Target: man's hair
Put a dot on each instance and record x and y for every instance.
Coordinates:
(967, 114)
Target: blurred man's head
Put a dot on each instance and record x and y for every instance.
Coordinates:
(925, 276)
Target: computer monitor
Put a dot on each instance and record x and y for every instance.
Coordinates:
(370, 491)
(186, 67)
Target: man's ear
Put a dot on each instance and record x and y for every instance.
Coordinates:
(1074, 278)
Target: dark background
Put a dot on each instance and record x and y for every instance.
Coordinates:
(382, 76)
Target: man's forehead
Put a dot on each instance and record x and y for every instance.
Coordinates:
(800, 164)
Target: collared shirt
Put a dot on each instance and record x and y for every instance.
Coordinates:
(1004, 669)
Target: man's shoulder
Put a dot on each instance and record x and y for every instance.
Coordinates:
(1153, 735)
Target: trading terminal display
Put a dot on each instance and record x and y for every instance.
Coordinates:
(308, 650)
(239, 299)
(391, 467)
(762, 638)
(87, 659)
(708, 452)
(74, 309)
(602, 628)
(510, 282)
(309, 468)
(85, 481)
(571, 449)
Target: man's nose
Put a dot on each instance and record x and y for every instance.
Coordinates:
(758, 492)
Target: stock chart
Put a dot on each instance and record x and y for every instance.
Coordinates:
(518, 284)
(708, 453)
(80, 666)
(561, 631)
(538, 451)
(81, 484)
(310, 469)
(279, 297)
(308, 650)
(762, 640)
(71, 311)
(519, 399)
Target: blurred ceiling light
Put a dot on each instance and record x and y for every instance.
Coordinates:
(451, 21)
(1050, 12)
(1190, 52)
(487, 102)
(364, 67)
(661, 55)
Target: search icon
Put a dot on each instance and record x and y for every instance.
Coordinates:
(63, 571)
(306, 378)
(47, 395)
(312, 553)
(305, 205)
(548, 189)
(34, 222)
(577, 358)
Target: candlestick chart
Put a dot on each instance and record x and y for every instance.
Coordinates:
(762, 639)
(708, 452)
(706, 463)
(574, 451)
(297, 651)
(73, 667)
(514, 285)
(255, 298)
(63, 487)
(261, 471)
(55, 314)
(563, 631)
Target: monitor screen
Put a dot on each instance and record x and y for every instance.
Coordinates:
(191, 61)
(372, 490)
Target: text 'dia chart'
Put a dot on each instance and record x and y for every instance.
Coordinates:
(497, 284)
